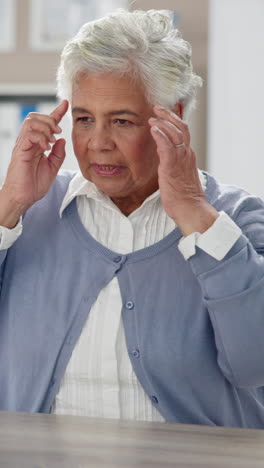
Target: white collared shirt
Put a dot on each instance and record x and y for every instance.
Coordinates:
(99, 380)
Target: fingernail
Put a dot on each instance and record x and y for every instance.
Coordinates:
(160, 108)
(58, 129)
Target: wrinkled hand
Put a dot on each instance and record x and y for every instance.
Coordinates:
(31, 172)
(181, 192)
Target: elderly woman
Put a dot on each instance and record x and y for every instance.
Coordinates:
(135, 290)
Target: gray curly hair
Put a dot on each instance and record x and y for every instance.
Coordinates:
(141, 44)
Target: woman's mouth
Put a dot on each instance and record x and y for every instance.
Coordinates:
(107, 169)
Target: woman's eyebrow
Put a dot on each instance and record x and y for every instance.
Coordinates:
(122, 112)
(80, 110)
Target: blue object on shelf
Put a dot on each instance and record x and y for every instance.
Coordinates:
(26, 109)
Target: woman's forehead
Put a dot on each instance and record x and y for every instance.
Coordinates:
(107, 85)
(109, 93)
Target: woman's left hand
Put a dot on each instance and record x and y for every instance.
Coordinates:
(181, 192)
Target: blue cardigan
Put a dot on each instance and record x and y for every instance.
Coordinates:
(194, 329)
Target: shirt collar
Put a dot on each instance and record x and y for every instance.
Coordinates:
(81, 186)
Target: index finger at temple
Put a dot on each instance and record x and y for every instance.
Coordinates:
(59, 111)
(170, 116)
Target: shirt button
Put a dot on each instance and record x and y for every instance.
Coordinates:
(136, 353)
(129, 305)
(118, 259)
(154, 399)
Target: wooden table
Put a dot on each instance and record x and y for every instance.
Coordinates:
(44, 441)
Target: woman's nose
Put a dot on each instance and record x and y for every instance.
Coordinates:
(101, 139)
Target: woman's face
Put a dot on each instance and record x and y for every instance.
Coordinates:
(112, 140)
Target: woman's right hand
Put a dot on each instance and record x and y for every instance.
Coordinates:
(31, 173)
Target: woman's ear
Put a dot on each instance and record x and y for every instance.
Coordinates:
(178, 109)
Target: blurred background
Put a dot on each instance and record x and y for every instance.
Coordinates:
(227, 38)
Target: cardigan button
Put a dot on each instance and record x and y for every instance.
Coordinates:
(129, 305)
(118, 259)
(136, 353)
(154, 399)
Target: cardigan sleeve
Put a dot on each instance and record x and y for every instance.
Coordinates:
(7, 239)
(233, 290)
(2, 261)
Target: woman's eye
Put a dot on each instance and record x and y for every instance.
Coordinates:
(123, 122)
(84, 119)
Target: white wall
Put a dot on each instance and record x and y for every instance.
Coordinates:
(236, 93)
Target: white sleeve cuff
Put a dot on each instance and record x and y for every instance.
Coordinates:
(216, 241)
(9, 236)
